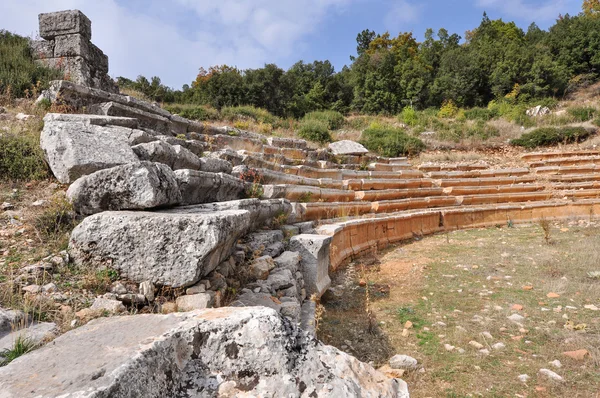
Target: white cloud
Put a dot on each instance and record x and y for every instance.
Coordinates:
(402, 15)
(245, 33)
(530, 10)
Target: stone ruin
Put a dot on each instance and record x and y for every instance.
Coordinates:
(166, 204)
(67, 46)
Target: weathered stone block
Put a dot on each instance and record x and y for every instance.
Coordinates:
(146, 119)
(314, 252)
(347, 147)
(74, 150)
(176, 157)
(75, 69)
(42, 49)
(74, 45)
(166, 248)
(64, 23)
(200, 187)
(143, 185)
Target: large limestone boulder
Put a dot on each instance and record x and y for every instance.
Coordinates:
(174, 156)
(347, 147)
(169, 248)
(77, 149)
(133, 186)
(227, 352)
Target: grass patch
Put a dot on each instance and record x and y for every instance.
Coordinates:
(391, 142)
(21, 347)
(548, 136)
(582, 114)
(56, 220)
(334, 120)
(314, 130)
(194, 112)
(483, 114)
(20, 76)
(21, 157)
(233, 113)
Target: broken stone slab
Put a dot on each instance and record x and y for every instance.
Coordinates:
(347, 147)
(134, 186)
(176, 157)
(167, 248)
(314, 263)
(196, 147)
(201, 187)
(215, 352)
(213, 165)
(61, 23)
(105, 304)
(145, 119)
(96, 120)
(74, 150)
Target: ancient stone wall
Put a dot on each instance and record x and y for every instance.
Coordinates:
(67, 46)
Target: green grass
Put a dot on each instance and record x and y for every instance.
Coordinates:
(194, 112)
(314, 130)
(233, 113)
(483, 114)
(582, 114)
(19, 74)
(21, 157)
(21, 346)
(548, 136)
(334, 120)
(391, 142)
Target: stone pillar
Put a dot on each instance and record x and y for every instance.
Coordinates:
(67, 46)
(314, 253)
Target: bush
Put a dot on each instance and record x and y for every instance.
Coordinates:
(448, 109)
(548, 136)
(597, 122)
(391, 142)
(582, 114)
(409, 116)
(334, 120)
(194, 112)
(233, 113)
(314, 130)
(484, 114)
(21, 157)
(19, 74)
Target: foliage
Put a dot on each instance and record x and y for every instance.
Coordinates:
(409, 116)
(21, 346)
(582, 114)
(548, 136)
(448, 109)
(391, 142)
(21, 157)
(19, 74)
(153, 89)
(56, 220)
(194, 112)
(334, 120)
(314, 130)
(484, 114)
(247, 113)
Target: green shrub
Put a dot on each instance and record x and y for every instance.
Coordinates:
(391, 142)
(21, 346)
(314, 130)
(597, 121)
(448, 109)
(409, 116)
(548, 136)
(233, 113)
(484, 114)
(334, 120)
(194, 112)
(582, 114)
(21, 157)
(19, 74)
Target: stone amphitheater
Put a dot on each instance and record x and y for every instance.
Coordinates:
(166, 204)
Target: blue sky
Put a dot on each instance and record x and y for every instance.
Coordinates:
(173, 38)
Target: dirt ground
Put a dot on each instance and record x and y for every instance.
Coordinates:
(446, 301)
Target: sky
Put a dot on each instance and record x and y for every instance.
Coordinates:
(172, 39)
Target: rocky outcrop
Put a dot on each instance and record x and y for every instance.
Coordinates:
(133, 186)
(68, 48)
(222, 352)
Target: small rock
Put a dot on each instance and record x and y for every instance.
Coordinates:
(487, 335)
(517, 307)
(112, 306)
(167, 308)
(118, 288)
(591, 307)
(393, 373)
(32, 289)
(260, 268)
(553, 295)
(39, 203)
(405, 333)
(449, 347)
(484, 351)
(132, 299)
(49, 288)
(551, 375)
(523, 378)
(198, 288)
(403, 362)
(22, 116)
(193, 302)
(475, 344)
(516, 318)
(556, 364)
(460, 350)
(408, 325)
(499, 346)
(6, 206)
(147, 289)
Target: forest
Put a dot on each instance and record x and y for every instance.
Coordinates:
(496, 61)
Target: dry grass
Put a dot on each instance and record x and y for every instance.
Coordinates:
(470, 284)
